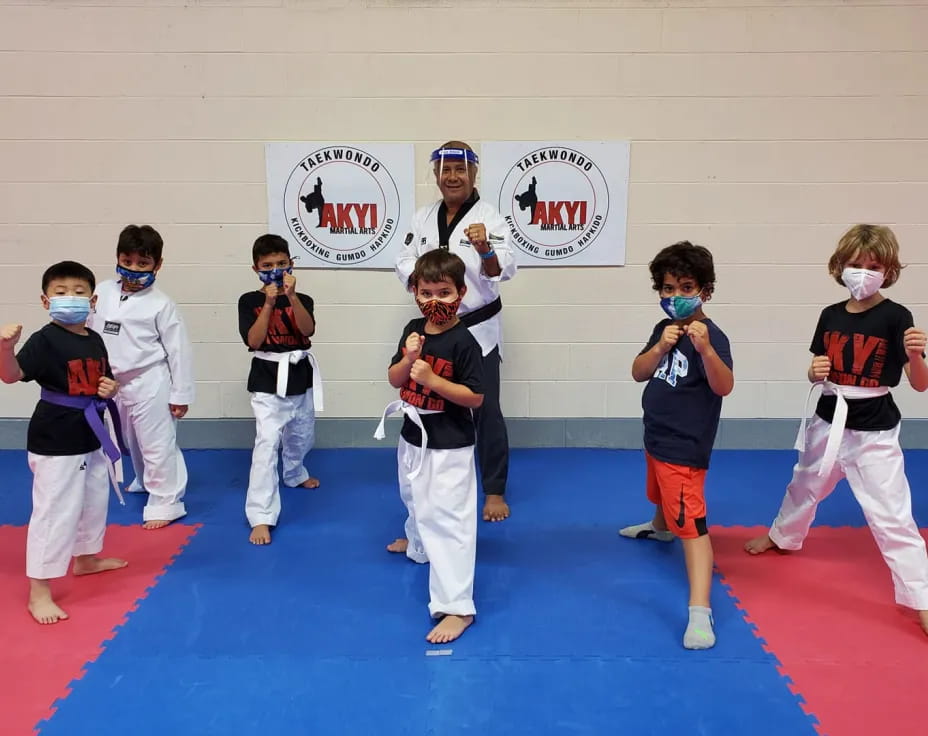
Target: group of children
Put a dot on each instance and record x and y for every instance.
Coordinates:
(125, 341)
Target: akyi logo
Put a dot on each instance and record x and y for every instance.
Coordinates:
(558, 199)
(341, 205)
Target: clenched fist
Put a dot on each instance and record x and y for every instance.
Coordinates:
(698, 334)
(289, 285)
(669, 337)
(477, 235)
(820, 368)
(107, 388)
(9, 336)
(421, 372)
(914, 340)
(414, 344)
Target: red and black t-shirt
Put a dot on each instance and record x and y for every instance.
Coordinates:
(456, 356)
(62, 361)
(866, 349)
(283, 336)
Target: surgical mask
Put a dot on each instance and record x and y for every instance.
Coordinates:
(680, 307)
(69, 310)
(862, 282)
(274, 276)
(136, 279)
(438, 312)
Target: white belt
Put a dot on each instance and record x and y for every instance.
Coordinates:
(838, 421)
(284, 361)
(415, 417)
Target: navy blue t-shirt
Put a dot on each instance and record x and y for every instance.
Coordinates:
(681, 411)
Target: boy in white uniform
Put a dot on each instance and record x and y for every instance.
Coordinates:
(151, 358)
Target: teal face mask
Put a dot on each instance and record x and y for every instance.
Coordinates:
(680, 307)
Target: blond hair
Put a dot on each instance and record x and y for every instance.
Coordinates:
(876, 241)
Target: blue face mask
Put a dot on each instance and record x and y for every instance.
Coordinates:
(138, 279)
(680, 307)
(274, 276)
(69, 310)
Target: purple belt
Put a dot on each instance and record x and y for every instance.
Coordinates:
(92, 406)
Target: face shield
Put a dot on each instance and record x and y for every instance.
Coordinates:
(453, 154)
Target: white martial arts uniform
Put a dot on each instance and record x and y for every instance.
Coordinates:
(481, 289)
(288, 424)
(873, 464)
(69, 504)
(439, 490)
(151, 358)
(286, 392)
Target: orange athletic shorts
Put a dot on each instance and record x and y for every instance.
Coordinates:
(679, 491)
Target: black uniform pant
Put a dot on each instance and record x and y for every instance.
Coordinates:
(492, 439)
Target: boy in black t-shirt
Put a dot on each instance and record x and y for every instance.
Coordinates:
(70, 488)
(861, 347)
(438, 368)
(276, 323)
(687, 364)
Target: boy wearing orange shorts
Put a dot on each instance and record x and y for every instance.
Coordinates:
(687, 364)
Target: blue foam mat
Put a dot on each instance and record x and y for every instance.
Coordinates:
(322, 632)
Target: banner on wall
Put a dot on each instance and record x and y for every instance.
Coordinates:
(342, 205)
(566, 203)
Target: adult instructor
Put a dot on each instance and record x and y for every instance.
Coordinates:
(472, 229)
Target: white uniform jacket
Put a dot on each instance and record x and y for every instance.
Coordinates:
(142, 329)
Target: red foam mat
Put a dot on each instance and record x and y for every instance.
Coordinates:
(42, 660)
(828, 614)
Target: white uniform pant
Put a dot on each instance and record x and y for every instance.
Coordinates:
(441, 526)
(150, 433)
(70, 494)
(873, 464)
(287, 423)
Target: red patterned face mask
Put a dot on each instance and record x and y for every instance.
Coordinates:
(438, 312)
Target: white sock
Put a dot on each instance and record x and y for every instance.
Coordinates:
(699, 633)
(646, 531)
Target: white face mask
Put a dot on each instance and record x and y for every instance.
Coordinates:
(861, 282)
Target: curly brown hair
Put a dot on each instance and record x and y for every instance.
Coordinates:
(876, 241)
(684, 259)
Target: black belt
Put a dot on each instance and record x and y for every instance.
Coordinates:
(482, 314)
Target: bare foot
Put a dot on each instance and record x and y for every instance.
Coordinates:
(261, 534)
(155, 524)
(91, 564)
(759, 545)
(495, 508)
(310, 483)
(923, 617)
(398, 545)
(449, 629)
(43, 609)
